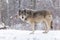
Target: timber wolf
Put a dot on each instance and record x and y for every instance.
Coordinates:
(34, 17)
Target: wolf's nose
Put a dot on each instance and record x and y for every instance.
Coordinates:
(22, 17)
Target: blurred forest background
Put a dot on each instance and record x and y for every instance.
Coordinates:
(11, 7)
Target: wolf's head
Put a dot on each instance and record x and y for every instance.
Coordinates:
(23, 14)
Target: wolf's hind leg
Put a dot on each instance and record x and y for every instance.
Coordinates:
(47, 27)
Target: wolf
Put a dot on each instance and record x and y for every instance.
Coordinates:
(32, 17)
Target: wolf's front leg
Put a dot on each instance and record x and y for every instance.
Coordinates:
(32, 26)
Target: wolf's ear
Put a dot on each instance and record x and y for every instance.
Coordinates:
(25, 10)
(19, 12)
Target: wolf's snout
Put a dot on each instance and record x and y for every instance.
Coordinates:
(22, 17)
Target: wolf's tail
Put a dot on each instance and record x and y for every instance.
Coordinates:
(51, 24)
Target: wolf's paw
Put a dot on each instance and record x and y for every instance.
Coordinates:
(32, 33)
(45, 32)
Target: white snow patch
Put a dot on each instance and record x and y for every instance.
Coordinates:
(2, 25)
(25, 35)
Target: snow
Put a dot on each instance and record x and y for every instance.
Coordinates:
(2, 25)
(13, 34)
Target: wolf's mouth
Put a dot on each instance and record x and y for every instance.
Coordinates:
(25, 18)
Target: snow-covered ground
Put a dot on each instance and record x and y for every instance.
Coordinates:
(13, 34)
